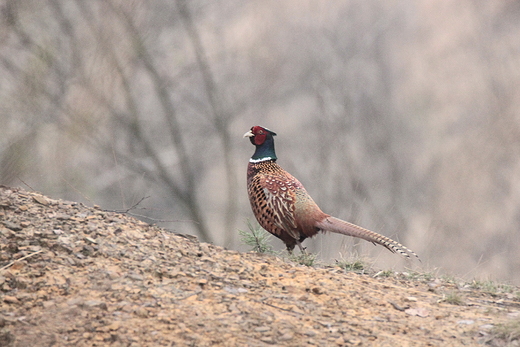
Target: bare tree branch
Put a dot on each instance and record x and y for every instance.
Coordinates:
(221, 117)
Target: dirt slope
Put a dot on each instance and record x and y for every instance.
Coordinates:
(78, 276)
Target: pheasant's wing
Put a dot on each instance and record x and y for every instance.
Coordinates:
(280, 200)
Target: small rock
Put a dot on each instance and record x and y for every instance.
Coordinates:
(6, 232)
(12, 226)
(317, 290)
(110, 327)
(112, 275)
(486, 327)
(286, 337)
(141, 312)
(397, 306)
(262, 329)
(466, 322)
(268, 340)
(96, 303)
(354, 342)
(88, 250)
(11, 299)
(420, 312)
(62, 216)
(127, 308)
(91, 240)
(326, 324)
(233, 290)
(48, 304)
(18, 265)
(135, 277)
(114, 326)
(75, 301)
(41, 200)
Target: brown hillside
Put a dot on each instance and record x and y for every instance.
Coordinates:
(78, 276)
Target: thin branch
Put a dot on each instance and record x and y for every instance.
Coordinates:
(221, 117)
(130, 208)
(279, 308)
(184, 189)
(77, 190)
(22, 258)
(27, 184)
(170, 115)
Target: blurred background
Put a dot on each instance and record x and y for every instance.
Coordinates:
(400, 116)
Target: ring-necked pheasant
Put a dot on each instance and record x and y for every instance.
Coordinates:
(283, 207)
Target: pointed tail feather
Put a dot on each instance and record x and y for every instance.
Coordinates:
(339, 226)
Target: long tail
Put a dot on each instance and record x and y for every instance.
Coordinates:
(339, 226)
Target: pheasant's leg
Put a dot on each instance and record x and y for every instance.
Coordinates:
(302, 249)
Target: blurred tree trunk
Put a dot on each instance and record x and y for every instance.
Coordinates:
(396, 115)
(221, 119)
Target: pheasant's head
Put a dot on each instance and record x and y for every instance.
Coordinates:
(258, 135)
(262, 138)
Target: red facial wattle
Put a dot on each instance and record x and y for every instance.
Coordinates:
(259, 139)
(260, 135)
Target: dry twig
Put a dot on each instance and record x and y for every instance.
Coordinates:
(22, 258)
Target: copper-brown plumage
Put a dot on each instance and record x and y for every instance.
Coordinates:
(283, 207)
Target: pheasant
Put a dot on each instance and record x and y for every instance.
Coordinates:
(283, 207)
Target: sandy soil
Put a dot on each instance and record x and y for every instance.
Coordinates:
(72, 275)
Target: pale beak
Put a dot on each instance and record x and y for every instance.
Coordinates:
(249, 134)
